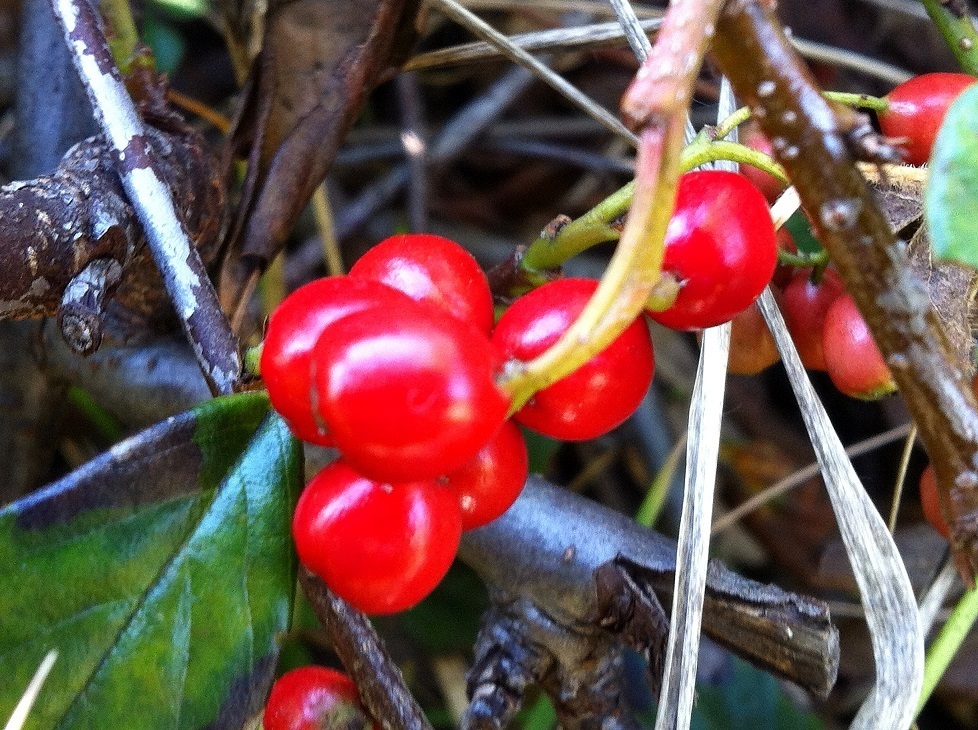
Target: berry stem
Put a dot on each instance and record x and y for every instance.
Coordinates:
(953, 21)
(874, 267)
(603, 222)
(858, 101)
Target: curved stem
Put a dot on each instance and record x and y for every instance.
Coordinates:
(953, 20)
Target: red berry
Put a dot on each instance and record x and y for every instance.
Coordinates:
(488, 483)
(408, 393)
(721, 247)
(598, 396)
(916, 109)
(931, 503)
(382, 547)
(292, 332)
(805, 306)
(767, 183)
(433, 270)
(752, 347)
(852, 359)
(314, 698)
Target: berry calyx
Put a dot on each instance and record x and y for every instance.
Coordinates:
(314, 698)
(852, 359)
(382, 547)
(407, 393)
(432, 270)
(720, 246)
(600, 394)
(292, 332)
(806, 302)
(488, 483)
(931, 502)
(916, 108)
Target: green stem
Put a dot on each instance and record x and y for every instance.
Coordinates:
(858, 101)
(946, 645)
(803, 260)
(730, 123)
(123, 38)
(603, 222)
(252, 359)
(954, 23)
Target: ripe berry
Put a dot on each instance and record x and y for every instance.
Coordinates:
(292, 332)
(433, 270)
(721, 247)
(382, 547)
(932, 503)
(851, 357)
(752, 348)
(916, 109)
(805, 305)
(598, 396)
(408, 393)
(313, 698)
(488, 483)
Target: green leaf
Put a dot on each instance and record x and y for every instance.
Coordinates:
(951, 197)
(161, 572)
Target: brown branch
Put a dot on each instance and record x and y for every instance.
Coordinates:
(56, 225)
(355, 641)
(814, 141)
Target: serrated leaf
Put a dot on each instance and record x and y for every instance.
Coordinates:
(951, 197)
(161, 572)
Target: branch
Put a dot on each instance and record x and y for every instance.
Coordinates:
(183, 271)
(814, 141)
(549, 544)
(355, 641)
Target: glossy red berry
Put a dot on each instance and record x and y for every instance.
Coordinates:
(407, 393)
(806, 303)
(292, 332)
(598, 396)
(931, 502)
(916, 109)
(314, 698)
(433, 270)
(382, 547)
(852, 358)
(488, 483)
(720, 246)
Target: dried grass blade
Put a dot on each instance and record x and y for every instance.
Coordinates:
(887, 596)
(702, 452)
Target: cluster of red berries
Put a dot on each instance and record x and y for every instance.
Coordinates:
(396, 366)
(313, 698)
(828, 331)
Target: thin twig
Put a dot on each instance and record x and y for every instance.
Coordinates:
(901, 479)
(803, 475)
(415, 149)
(520, 57)
(183, 272)
(379, 681)
(582, 37)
